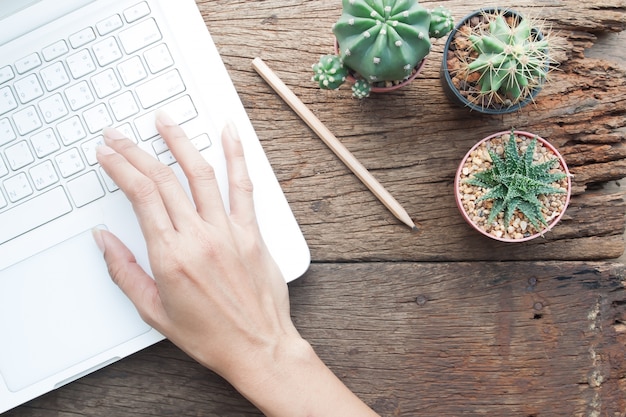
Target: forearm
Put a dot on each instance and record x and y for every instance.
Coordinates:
(292, 381)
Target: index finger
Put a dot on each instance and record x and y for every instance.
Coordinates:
(140, 190)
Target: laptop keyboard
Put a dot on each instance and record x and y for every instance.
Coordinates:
(54, 103)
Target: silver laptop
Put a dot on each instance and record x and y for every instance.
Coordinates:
(68, 69)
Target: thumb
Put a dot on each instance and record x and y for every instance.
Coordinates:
(138, 286)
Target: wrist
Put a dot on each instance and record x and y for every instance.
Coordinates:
(261, 375)
(289, 379)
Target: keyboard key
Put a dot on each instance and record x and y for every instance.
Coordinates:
(7, 100)
(160, 89)
(201, 142)
(28, 88)
(17, 188)
(97, 118)
(106, 51)
(6, 74)
(105, 83)
(127, 131)
(28, 63)
(79, 95)
(139, 36)
(81, 63)
(44, 143)
(132, 70)
(85, 189)
(159, 145)
(71, 130)
(55, 50)
(4, 170)
(89, 149)
(7, 134)
(54, 76)
(166, 158)
(19, 155)
(69, 162)
(33, 213)
(158, 58)
(124, 106)
(3, 201)
(43, 175)
(109, 24)
(180, 110)
(27, 120)
(82, 37)
(136, 12)
(53, 108)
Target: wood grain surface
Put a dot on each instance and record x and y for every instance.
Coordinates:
(413, 139)
(542, 339)
(442, 322)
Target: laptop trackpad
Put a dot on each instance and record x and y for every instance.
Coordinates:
(56, 311)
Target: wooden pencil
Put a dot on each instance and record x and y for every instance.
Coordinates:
(332, 142)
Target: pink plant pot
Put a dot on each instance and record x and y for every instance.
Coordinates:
(551, 224)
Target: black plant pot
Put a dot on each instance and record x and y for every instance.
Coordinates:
(455, 96)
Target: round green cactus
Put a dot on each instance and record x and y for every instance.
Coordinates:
(512, 60)
(329, 72)
(383, 40)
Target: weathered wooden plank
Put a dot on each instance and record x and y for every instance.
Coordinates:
(413, 139)
(414, 339)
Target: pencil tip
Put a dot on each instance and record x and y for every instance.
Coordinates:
(414, 229)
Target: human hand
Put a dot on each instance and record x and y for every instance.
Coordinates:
(216, 292)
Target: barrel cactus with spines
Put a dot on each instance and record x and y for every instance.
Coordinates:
(512, 60)
(385, 40)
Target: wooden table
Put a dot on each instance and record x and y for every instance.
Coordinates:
(443, 322)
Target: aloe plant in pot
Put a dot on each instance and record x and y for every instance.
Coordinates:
(380, 44)
(512, 186)
(496, 61)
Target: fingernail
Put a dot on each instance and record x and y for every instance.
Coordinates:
(231, 130)
(97, 236)
(104, 150)
(165, 118)
(112, 134)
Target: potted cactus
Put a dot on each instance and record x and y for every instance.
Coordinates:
(512, 186)
(496, 61)
(380, 44)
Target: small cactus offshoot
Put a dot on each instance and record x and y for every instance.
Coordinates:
(513, 60)
(361, 88)
(329, 72)
(514, 182)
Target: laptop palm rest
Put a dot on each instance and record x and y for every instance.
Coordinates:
(64, 312)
